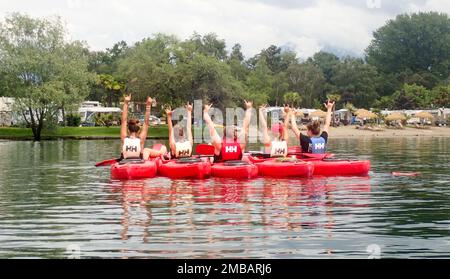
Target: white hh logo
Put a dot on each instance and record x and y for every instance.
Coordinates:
(319, 146)
(230, 149)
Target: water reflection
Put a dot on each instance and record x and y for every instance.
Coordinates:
(220, 211)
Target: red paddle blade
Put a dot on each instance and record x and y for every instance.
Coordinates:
(205, 149)
(106, 163)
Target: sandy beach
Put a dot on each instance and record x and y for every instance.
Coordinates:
(352, 132)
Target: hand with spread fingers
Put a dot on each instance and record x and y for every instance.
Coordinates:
(329, 105)
(248, 104)
(189, 107)
(168, 111)
(149, 101)
(263, 108)
(127, 99)
(207, 108)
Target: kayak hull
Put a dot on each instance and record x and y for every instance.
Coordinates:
(340, 168)
(147, 169)
(174, 170)
(239, 172)
(273, 168)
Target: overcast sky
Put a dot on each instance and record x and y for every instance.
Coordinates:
(307, 26)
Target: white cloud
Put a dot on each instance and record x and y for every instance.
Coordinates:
(344, 25)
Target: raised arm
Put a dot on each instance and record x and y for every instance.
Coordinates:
(144, 132)
(216, 141)
(170, 126)
(246, 124)
(286, 123)
(123, 125)
(263, 125)
(294, 124)
(189, 123)
(329, 105)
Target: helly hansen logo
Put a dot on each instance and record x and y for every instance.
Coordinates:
(280, 151)
(231, 149)
(131, 149)
(183, 152)
(319, 146)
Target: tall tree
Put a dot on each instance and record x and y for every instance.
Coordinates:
(45, 72)
(306, 79)
(412, 96)
(356, 81)
(326, 62)
(418, 42)
(236, 53)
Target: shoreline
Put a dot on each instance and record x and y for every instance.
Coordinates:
(343, 132)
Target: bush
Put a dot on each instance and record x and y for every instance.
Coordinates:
(104, 120)
(50, 126)
(73, 120)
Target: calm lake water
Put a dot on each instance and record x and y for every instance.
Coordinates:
(55, 204)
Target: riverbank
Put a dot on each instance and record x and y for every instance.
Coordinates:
(161, 132)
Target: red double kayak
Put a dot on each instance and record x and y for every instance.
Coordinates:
(234, 169)
(185, 168)
(133, 169)
(320, 165)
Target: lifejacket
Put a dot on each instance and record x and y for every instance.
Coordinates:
(318, 145)
(131, 148)
(182, 149)
(279, 149)
(230, 151)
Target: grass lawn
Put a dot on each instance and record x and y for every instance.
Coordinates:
(78, 132)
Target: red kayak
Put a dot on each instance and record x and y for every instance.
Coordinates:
(283, 167)
(133, 169)
(184, 168)
(340, 167)
(321, 167)
(234, 169)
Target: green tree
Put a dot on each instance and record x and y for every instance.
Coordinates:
(209, 45)
(357, 81)
(236, 53)
(326, 62)
(259, 83)
(419, 43)
(292, 98)
(45, 72)
(385, 102)
(412, 97)
(441, 96)
(308, 79)
(113, 86)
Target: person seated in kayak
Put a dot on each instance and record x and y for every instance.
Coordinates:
(277, 147)
(133, 136)
(314, 141)
(232, 145)
(180, 146)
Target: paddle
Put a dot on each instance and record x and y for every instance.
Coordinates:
(205, 150)
(303, 155)
(107, 163)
